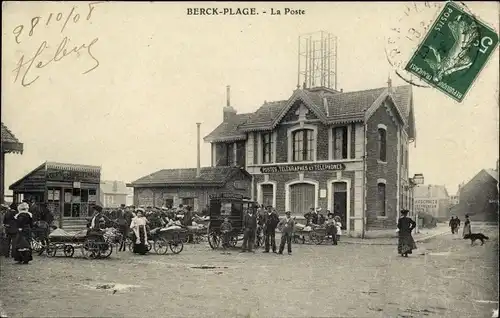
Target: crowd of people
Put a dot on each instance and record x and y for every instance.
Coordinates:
(21, 221)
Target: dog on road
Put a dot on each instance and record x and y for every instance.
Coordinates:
(476, 237)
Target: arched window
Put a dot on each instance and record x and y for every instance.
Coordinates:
(303, 144)
(382, 144)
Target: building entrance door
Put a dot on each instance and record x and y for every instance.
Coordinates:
(340, 202)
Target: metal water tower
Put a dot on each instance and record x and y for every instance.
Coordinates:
(317, 65)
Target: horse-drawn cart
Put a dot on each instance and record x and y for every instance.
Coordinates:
(233, 207)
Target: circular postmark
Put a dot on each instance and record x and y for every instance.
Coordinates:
(444, 39)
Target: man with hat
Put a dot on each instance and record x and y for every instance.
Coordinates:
(286, 226)
(270, 222)
(249, 228)
(98, 217)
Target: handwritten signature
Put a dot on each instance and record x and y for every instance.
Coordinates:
(24, 67)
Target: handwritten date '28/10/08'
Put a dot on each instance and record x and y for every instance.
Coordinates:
(25, 67)
(52, 18)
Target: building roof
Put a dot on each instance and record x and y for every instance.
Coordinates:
(209, 176)
(340, 107)
(113, 187)
(71, 167)
(9, 141)
(493, 173)
(55, 166)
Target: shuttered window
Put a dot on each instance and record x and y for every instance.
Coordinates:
(267, 194)
(340, 143)
(302, 198)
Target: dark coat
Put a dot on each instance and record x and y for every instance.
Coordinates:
(270, 221)
(9, 222)
(250, 222)
(406, 225)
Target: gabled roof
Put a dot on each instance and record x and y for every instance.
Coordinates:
(209, 176)
(493, 173)
(9, 141)
(113, 187)
(228, 130)
(341, 107)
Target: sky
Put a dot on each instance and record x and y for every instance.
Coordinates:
(160, 71)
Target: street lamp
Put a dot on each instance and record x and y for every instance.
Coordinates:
(417, 179)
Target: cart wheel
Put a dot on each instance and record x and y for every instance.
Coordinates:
(68, 250)
(51, 251)
(131, 246)
(176, 247)
(233, 241)
(149, 246)
(89, 250)
(37, 246)
(315, 238)
(213, 240)
(105, 250)
(160, 246)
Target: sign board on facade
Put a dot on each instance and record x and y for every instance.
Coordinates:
(239, 185)
(426, 203)
(322, 193)
(76, 185)
(226, 196)
(71, 176)
(304, 167)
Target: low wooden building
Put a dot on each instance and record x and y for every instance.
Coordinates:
(171, 187)
(69, 190)
(9, 144)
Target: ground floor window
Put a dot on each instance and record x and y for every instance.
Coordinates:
(169, 203)
(188, 202)
(267, 195)
(78, 202)
(302, 198)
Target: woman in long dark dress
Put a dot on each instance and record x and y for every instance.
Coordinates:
(406, 244)
(138, 226)
(22, 244)
(467, 229)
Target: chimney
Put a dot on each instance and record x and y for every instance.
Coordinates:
(228, 111)
(198, 151)
(389, 83)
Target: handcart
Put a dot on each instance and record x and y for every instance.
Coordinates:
(164, 238)
(92, 245)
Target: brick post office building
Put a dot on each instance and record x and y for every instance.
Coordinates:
(342, 151)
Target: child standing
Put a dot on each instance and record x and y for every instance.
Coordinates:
(338, 224)
(226, 228)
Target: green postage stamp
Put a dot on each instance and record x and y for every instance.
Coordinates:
(454, 51)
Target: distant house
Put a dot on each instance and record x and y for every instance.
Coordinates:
(113, 193)
(432, 199)
(479, 197)
(454, 200)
